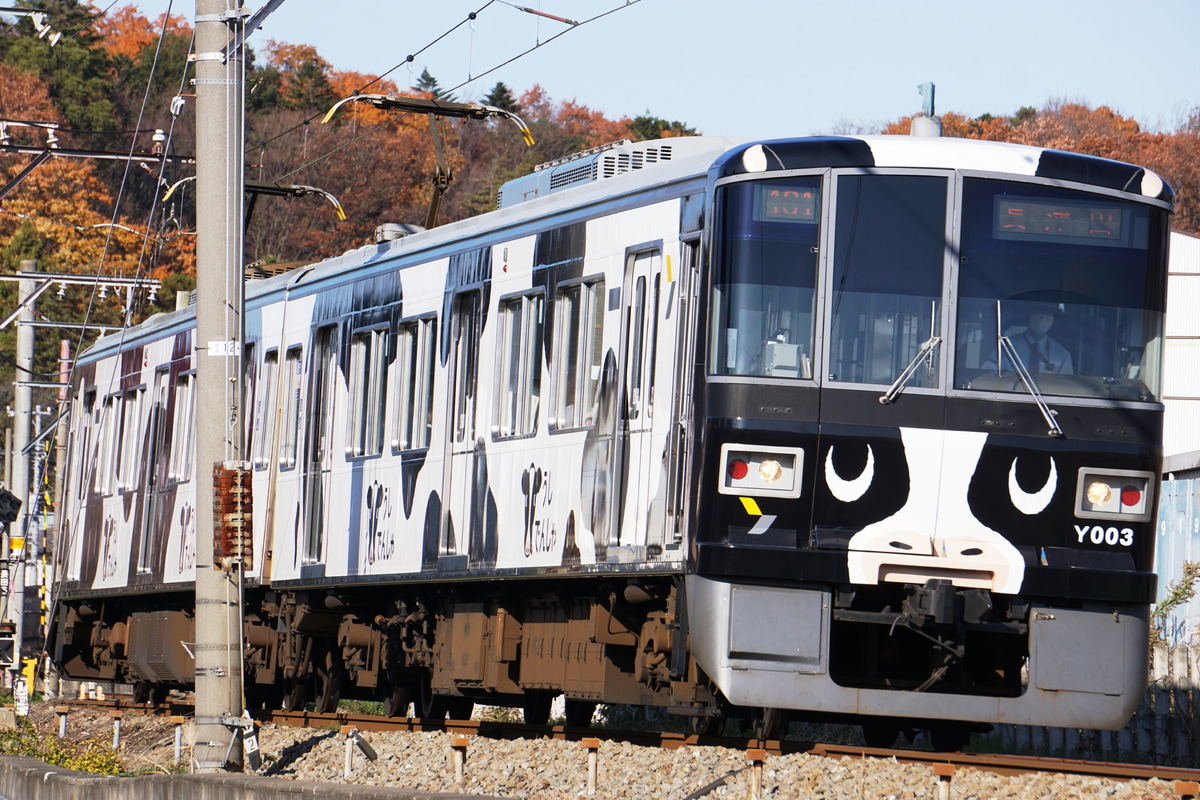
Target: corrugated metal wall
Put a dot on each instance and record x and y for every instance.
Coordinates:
(1178, 541)
(1181, 367)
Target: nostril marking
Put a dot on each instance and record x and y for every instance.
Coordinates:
(972, 551)
(900, 545)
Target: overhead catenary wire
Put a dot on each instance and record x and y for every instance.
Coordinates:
(469, 80)
(115, 215)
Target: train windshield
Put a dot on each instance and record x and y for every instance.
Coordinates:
(765, 278)
(1066, 284)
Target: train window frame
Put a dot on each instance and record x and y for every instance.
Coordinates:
(155, 437)
(521, 340)
(127, 468)
(87, 428)
(183, 428)
(574, 397)
(466, 320)
(369, 359)
(264, 405)
(109, 411)
(932, 376)
(415, 361)
(1077, 309)
(292, 380)
(795, 356)
(249, 389)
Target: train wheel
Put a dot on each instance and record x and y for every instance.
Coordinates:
(329, 683)
(708, 725)
(430, 705)
(395, 704)
(767, 723)
(295, 694)
(141, 692)
(579, 713)
(536, 707)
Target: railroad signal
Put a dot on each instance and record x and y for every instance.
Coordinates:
(10, 507)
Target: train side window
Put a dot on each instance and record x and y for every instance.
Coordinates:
(183, 426)
(468, 323)
(264, 409)
(415, 349)
(129, 440)
(87, 422)
(519, 366)
(249, 391)
(155, 435)
(293, 374)
(368, 391)
(108, 442)
(579, 342)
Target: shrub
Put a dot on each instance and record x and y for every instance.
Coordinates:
(85, 756)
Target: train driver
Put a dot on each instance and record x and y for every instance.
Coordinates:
(1036, 349)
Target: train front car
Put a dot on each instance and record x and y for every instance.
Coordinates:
(931, 438)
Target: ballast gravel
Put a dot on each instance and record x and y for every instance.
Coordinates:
(543, 769)
(548, 769)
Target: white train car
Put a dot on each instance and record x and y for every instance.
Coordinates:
(619, 439)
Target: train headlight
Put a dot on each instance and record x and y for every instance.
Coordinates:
(760, 470)
(770, 470)
(1098, 493)
(1120, 494)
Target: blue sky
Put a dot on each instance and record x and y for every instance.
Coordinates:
(773, 68)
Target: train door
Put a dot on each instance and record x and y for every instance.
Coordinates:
(882, 411)
(680, 314)
(463, 518)
(319, 458)
(641, 448)
(154, 470)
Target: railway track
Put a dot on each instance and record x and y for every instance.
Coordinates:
(1187, 781)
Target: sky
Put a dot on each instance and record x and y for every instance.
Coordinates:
(770, 68)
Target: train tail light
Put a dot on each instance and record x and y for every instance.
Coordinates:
(1114, 494)
(761, 470)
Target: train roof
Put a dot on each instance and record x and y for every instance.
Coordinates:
(625, 168)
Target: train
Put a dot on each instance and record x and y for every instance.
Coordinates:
(851, 428)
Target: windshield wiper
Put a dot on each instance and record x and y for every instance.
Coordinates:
(1005, 347)
(926, 351)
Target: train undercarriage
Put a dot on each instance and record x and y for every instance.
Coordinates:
(516, 645)
(439, 648)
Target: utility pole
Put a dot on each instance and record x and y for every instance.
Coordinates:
(220, 179)
(22, 427)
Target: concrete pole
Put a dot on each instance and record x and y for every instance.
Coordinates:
(220, 197)
(54, 554)
(23, 427)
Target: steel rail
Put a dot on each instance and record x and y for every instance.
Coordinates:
(999, 764)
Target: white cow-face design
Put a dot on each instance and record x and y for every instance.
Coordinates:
(935, 535)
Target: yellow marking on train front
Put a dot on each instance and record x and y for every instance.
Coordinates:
(750, 506)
